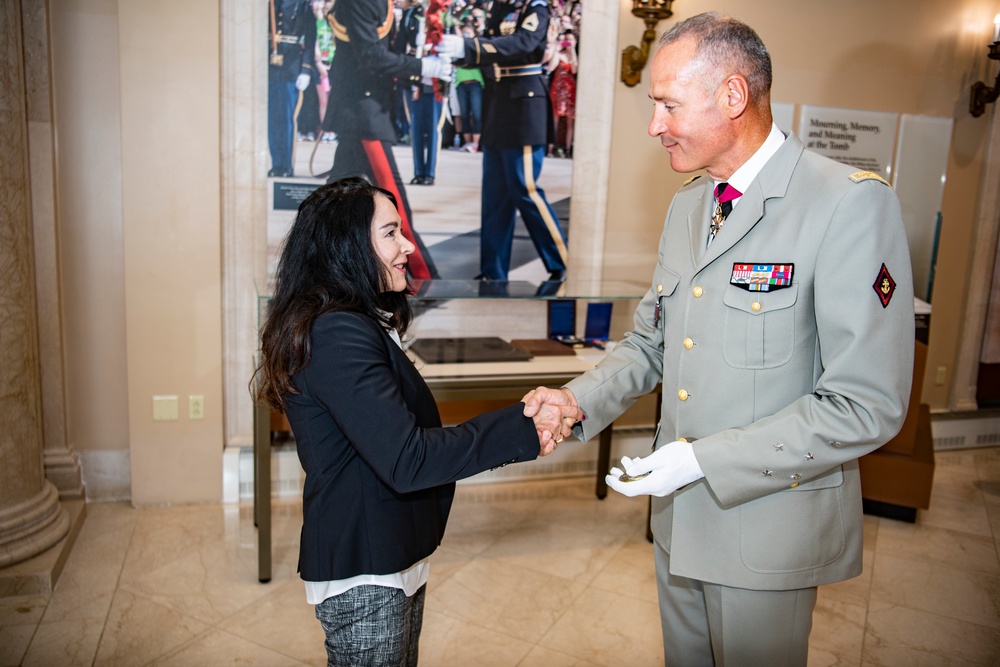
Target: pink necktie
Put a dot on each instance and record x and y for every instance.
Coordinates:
(724, 196)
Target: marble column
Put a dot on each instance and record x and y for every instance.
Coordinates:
(31, 517)
(62, 464)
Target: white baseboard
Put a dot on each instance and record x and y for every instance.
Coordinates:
(106, 475)
(951, 433)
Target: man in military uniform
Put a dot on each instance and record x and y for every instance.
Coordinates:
(361, 100)
(291, 42)
(780, 323)
(515, 133)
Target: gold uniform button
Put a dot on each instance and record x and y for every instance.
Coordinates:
(682, 394)
(659, 288)
(688, 343)
(755, 306)
(793, 485)
(697, 291)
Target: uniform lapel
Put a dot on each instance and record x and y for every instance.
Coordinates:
(772, 181)
(698, 222)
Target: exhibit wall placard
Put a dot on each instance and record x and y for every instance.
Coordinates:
(909, 151)
(862, 139)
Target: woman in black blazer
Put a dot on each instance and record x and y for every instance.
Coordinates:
(380, 468)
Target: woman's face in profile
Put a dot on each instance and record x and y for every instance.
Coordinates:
(390, 244)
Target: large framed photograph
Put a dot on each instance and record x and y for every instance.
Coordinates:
(346, 97)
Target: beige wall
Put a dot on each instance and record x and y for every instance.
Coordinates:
(137, 89)
(88, 194)
(916, 57)
(137, 113)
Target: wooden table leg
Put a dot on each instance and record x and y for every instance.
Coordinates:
(262, 489)
(649, 520)
(603, 462)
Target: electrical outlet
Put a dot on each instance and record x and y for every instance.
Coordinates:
(165, 408)
(939, 377)
(196, 406)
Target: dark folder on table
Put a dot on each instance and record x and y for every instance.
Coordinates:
(467, 350)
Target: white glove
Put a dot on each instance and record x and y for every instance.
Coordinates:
(670, 467)
(452, 46)
(302, 82)
(436, 67)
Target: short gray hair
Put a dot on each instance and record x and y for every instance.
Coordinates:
(727, 43)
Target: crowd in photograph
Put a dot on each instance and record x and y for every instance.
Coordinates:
(462, 110)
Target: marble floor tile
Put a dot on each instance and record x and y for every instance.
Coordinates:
(14, 640)
(902, 636)
(952, 548)
(282, 621)
(540, 656)
(504, 597)
(193, 560)
(838, 631)
(934, 587)
(64, 643)
(445, 562)
(558, 551)
(630, 572)
(446, 640)
(22, 610)
(608, 628)
(957, 505)
(475, 527)
(89, 579)
(138, 631)
(221, 648)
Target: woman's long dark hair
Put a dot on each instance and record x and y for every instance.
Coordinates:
(328, 263)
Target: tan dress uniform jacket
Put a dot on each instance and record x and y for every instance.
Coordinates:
(782, 389)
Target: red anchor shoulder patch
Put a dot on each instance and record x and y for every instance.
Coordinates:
(884, 286)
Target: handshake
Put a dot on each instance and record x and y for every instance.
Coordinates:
(554, 412)
(667, 469)
(451, 47)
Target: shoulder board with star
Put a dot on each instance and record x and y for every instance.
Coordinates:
(860, 176)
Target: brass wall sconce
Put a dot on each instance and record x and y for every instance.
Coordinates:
(634, 57)
(981, 93)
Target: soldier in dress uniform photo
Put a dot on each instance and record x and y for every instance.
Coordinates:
(363, 78)
(517, 123)
(291, 42)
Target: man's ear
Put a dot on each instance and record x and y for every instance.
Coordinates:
(737, 95)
